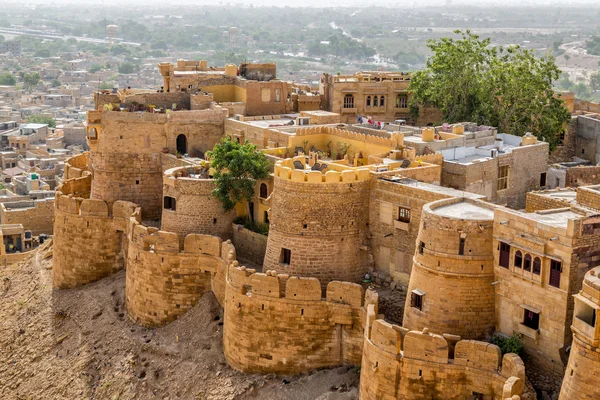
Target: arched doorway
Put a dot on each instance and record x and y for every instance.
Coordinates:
(182, 144)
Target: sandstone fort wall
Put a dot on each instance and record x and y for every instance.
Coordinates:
(166, 279)
(249, 245)
(88, 239)
(281, 324)
(402, 364)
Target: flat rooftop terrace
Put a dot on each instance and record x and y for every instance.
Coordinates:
(432, 188)
(566, 195)
(464, 210)
(559, 219)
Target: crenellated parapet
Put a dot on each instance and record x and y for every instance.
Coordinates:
(88, 239)
(285, 170)
(399, 363)
(275, 323)
(165, 278)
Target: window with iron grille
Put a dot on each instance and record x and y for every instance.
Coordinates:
(404, 214)
(348, 101)
(502, 177)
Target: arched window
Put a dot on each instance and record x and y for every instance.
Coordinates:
(537, 266)
(382, 101)
(375, 101)
(368, 101)
(93, 133)
(518, 259)
(348, 101)
(527, 263)
(182, 144)
(264, 191)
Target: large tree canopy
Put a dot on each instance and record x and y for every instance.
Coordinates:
(41, 119)
(508, 87)
(237, 167)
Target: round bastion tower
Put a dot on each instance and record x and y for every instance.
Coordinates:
(582, 380)
(318, 221)
(450, 289)
(189, 205)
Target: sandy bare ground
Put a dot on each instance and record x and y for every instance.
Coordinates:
(79, 344)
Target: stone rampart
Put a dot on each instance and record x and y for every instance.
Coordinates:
(280, 324)
(190, 207)
(402, 364)
(88, 239)
(165, 278)
(318, 226)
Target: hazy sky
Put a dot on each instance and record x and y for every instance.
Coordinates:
(330, 3)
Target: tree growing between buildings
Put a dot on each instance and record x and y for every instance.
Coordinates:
(237, 168)
(30, 80)
(7, 79)
(470, 80)
(41, 119)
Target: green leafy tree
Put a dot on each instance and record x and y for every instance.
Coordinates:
(237, 168)
(7, 79)
(513, 344)
(595, 80)
(95, 68)
(567, 58)
(55, 82)
(41, 119)
(468, 80)
(30, 80)
(127, 68)
(44, 53)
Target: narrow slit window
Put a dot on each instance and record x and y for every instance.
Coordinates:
(285, 257)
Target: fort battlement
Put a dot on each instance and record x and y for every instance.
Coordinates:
(400, 363)
(183, 189)
(285, 170)
(88, 238)
(453, 269)
(275, 323)
(77, 166)
(166, 278)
